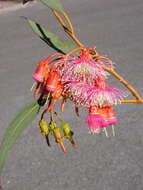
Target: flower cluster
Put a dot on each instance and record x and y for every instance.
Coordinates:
(80, 76)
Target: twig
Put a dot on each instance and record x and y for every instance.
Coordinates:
(127, 85)
(66, 29)
(132, 101)
(69, 22)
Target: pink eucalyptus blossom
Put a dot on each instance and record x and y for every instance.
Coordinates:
(86, 95)
(82, 69)
(94, 122)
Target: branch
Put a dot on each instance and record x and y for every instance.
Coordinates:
(139, 99)
(70, 30)
(132, 101)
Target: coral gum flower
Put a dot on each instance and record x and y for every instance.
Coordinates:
(112, 120)
(108, 115)
(82, 68)
(100, 117)
(94, 122)
(105, 96)
(86, 95)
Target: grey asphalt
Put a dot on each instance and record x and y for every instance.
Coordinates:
(116, 163)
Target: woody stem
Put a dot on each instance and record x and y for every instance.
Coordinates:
(70, 31)
(132, 101)
(127, 85)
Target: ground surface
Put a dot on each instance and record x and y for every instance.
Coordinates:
(115, 28)
(8, 5)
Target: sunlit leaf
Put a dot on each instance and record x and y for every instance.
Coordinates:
(51, 39)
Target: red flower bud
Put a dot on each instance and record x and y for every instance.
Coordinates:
(53, 81)
(41, 71)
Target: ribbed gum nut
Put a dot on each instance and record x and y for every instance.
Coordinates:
(43, 127)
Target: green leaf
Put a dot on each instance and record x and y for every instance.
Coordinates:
(54, 4)
(15, 128)
(51, 39)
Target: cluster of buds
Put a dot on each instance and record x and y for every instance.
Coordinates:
(59, 133)
(79, 76)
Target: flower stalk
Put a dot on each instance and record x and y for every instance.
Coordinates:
(69, 31)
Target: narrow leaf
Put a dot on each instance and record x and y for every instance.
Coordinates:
(51, 39)
(54, 4)
(15, 128)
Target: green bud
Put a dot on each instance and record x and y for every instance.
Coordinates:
(43, 127)
(52, 125)
(59, 138)
(66, 129)
(57, 134)
(68, 133)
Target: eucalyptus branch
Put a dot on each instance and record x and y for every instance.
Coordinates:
(70, 30)
(139, 99)
(69, 22)
(132, 101)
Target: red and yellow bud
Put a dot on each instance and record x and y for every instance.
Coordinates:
(55, 96)
(53, 81)
(59, 139)
(41, 71)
